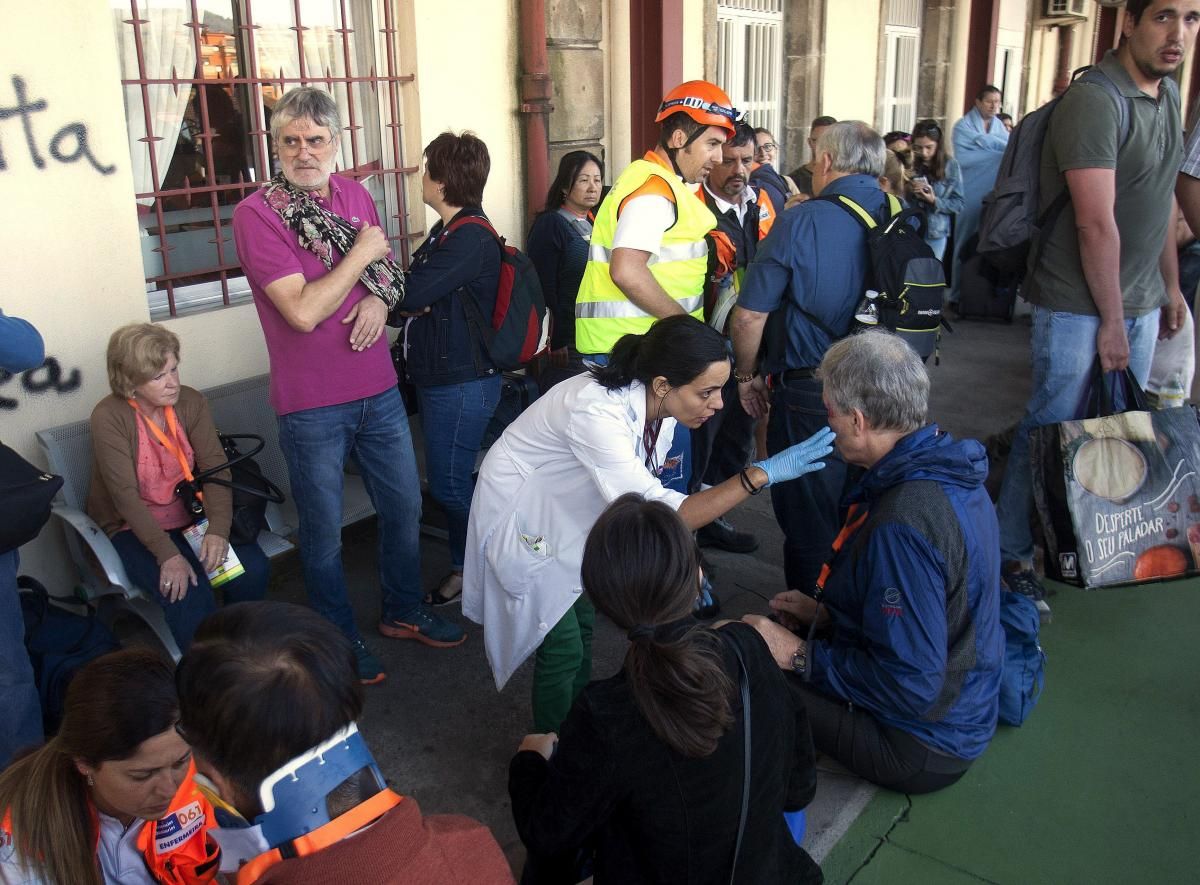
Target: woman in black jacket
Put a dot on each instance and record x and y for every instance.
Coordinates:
(558, 247)
(452, 281)
(648, 773)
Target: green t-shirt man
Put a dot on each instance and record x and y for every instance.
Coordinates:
(1085, 133)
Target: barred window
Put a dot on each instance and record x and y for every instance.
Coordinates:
(200, 78)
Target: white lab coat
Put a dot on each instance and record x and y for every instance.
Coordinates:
(540, 490)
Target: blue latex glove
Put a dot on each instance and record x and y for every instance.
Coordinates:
(799, 459)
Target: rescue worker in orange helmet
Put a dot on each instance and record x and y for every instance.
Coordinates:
(648, 257)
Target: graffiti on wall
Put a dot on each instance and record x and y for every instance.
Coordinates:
(68, 145)
(49, 377)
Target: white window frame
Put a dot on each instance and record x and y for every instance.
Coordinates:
(750, 55)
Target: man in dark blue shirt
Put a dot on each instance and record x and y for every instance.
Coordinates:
(801, 291)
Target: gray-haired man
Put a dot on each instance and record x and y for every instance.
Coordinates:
(314, 254)
(808, 276)
(904, 688)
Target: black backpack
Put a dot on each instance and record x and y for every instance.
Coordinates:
(909, 278)
(59, 643)
(27, 492)
(1010, 224)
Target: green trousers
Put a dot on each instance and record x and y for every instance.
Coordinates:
(562, 666)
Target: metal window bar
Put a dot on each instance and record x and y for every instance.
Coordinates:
(390, 118)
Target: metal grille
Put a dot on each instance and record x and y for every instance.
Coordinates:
(750, 57)
(906, 13)
(772, 7)
(1065, 7)
(200, 78)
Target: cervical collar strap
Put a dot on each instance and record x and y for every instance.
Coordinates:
(334, 831)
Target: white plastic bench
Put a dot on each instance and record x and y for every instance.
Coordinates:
(240, 407)
(237, 407)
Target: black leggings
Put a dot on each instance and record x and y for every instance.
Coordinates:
(883, 755)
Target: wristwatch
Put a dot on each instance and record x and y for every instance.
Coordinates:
(800, 660)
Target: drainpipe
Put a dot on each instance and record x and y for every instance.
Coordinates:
(535, 103)
(1062, 73)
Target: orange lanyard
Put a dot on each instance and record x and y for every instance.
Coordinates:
(852, 525)
(171, 444)
(322, 837)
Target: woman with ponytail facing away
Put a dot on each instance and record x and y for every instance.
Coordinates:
(648, 775)
(579, 447)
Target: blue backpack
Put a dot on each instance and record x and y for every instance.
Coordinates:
(1023, 672)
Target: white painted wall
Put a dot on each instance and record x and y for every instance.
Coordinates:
(851, 59)
(467, 70)
(72, 253)
(617, 105)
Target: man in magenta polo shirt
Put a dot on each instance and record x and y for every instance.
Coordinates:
(318, 266)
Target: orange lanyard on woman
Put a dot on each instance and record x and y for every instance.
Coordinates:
(171, 444)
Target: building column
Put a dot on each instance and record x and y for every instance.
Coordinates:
(574, 29)
(937, 50)
(804, 24)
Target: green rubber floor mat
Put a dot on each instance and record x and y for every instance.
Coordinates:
(1101, 784)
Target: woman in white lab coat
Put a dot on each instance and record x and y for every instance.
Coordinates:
(588, 441)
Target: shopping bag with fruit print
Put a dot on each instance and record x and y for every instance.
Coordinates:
(1117, 492)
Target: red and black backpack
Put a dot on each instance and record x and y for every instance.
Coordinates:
(519, 327)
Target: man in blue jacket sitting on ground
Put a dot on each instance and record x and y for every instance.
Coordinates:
(902, 680)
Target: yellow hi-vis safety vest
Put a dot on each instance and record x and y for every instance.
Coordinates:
(602, 311)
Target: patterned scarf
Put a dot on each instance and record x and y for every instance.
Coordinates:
(321, 231)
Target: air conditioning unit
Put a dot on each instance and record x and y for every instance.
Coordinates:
(1065, 10)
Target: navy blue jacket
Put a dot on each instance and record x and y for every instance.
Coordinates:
(446, 268)
(811, 270)
(896, 650)
(559, 251)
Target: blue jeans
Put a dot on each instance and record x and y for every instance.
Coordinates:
(938, 245)
(21, 723)
(1063, 350)
(809, 509)
(316, 443)
(454, 418)
(186, 615)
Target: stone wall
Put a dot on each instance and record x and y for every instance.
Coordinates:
(804, 22)
(574, 29)
(933, 83)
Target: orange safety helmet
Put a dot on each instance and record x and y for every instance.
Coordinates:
(704, 102)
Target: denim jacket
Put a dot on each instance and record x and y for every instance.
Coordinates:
(441, 347)
(949, 193)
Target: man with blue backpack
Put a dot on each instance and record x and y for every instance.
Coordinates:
(1101, 271)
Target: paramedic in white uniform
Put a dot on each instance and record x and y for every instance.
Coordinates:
(581, 446)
